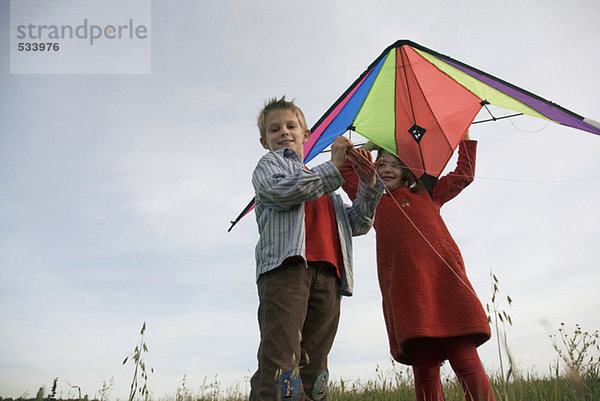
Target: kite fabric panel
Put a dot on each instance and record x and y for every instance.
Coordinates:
(418, 104)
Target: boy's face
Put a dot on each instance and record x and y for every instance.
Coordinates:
(284, 131)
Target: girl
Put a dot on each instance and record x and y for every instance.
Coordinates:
(431, 310)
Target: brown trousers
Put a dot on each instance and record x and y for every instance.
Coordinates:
(298, 317)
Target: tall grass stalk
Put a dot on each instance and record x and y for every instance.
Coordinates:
(498, 318)
(140, 368)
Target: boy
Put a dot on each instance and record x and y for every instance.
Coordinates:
(304, 254)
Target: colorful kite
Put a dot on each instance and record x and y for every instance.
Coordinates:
(417, 104)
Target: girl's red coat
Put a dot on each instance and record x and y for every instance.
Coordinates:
(424, 286)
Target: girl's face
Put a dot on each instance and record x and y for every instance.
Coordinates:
(390, 171)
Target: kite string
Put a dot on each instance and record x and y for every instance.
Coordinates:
(559, 181)
(480, 216)
(485, 236)
(481, 219)
(425, 238)
(528, 131)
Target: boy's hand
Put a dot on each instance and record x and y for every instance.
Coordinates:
(364, 167)
(338, 150)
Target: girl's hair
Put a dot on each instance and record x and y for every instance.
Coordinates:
(409, 180)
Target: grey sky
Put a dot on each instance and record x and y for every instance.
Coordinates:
(117, 190)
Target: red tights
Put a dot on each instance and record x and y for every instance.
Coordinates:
(464, 360)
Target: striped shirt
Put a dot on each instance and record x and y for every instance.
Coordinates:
(282, 184)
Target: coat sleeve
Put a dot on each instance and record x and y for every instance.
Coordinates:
(350, 185)
(364, 199)
(282, 182)
(362, 212)
(449, 186)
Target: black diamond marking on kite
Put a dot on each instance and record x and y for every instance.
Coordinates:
(417, 132)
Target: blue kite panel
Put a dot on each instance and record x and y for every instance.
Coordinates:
(346, 116)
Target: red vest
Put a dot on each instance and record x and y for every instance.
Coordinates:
(322, 238)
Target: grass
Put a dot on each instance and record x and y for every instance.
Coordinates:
(578, 380)
(396, 384)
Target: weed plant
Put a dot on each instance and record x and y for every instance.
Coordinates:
(140, 371)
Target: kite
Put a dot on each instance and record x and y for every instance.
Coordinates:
(417, 104)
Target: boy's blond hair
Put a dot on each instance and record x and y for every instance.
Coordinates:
(278, 104)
